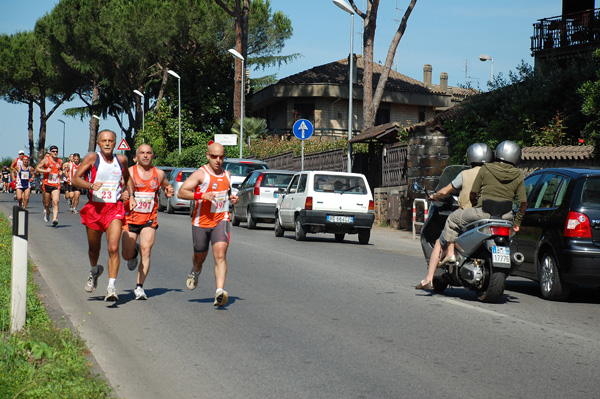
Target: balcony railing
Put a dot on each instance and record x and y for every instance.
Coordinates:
(567, 31)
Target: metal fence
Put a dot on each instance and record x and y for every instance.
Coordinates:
(394, 166)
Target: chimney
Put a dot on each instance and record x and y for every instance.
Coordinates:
(427, 69)
(444, 82)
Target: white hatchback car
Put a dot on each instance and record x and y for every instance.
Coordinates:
(326, 202)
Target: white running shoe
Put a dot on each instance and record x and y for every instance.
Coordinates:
(139, 293)
(133, 262)
(192, 280)
(46, 216)
(92, 281)
(111, 294)
(221, 297)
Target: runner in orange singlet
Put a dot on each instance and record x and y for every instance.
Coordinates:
(141, 221)
(72, 192)
(51, 167)
(210, 188)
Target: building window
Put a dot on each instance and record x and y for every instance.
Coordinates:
(383, 114)
(421, 114)
(304, 111)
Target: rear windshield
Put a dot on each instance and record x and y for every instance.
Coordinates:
(339, 184)
(242, 169)
(276, 180)
(590, 194)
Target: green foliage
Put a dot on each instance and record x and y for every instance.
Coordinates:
(273, 145)
(254, 128)
(529, 108)
(590, 92)
(41, 361)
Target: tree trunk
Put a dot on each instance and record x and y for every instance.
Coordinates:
(42, 136)
(372, 100)
(31, 151)
(93, 121)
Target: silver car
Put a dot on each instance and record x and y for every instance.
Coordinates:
(240, 168)
(176, 178)
(258, 195)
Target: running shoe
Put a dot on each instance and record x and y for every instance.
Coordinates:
(92, 281)
(192, 280)
(55, 223)
(139, 293)
(74, 210)
(221, 297)
(46, 216)
(133, 262)
(111, 294)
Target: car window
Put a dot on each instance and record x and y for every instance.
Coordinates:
(546, 190)
(242, 168)
(339, 184)
(275, 180)
(245, 183)
(302, 183)
(590, 194)
(530, 183)
(294, 184)
(562, 191)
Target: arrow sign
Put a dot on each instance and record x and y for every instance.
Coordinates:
(123, 146)
(303, 129)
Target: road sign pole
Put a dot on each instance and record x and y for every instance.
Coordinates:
(18, 297)
(302, 167)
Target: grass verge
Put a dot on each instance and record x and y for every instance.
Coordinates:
(41, 361)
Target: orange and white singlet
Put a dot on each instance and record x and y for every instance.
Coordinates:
(72, 170)
(52, 178)
(208, 214)
(146, 196)
(110, 175)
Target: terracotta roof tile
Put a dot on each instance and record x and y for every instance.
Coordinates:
(337, 73)
(561, 152)
(380, 132)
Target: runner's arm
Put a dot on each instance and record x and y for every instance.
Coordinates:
(164, 183)
(85, 167)
(188, 188)
(128, 180)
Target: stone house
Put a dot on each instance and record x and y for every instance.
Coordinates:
(320, 95)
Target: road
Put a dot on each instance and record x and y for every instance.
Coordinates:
(314, 319)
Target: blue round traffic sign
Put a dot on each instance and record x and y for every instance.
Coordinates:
(303, 129)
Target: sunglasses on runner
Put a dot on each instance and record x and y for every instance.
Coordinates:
(213, 156)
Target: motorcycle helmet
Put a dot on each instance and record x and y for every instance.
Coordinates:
(509, 152)
(478, 154)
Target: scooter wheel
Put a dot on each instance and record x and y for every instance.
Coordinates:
(439, 285)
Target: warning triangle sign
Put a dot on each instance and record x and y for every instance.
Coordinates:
(123, 146)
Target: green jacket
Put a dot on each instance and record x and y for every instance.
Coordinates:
(501, 182)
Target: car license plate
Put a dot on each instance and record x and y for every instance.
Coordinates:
(340, 219)
(500, 255)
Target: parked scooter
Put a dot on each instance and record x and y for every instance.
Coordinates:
(482, 250)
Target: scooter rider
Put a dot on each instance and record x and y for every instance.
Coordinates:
(477, 155)
(498, 181)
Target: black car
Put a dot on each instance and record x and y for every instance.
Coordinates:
(560, 233)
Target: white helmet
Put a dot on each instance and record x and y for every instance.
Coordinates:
(478, 154)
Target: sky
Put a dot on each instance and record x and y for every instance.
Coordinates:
(449, 35)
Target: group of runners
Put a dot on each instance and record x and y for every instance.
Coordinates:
(123, 205)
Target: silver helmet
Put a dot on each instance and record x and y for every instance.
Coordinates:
(479, 153)
(509, 152)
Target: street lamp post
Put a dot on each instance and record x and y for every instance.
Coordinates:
(346, 7)
(484, 58)
(172, 73)
(139, 93)
(63, 147)
(238, 55)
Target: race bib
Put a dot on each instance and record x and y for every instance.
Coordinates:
(145, 202)
(107, 193)
(221, 202)
(53, 178)
(24, 175)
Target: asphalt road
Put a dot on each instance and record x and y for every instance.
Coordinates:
(314, 319)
